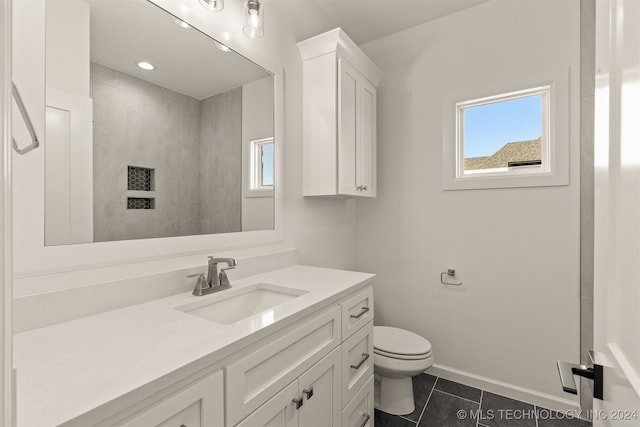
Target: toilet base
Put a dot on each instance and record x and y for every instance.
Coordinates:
(394, 395)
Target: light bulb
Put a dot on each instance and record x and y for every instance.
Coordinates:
(254, 22)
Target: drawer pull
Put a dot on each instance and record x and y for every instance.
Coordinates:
(299, 402)
(365, 356)
(362, 313)
(308, 392)
(365, 420)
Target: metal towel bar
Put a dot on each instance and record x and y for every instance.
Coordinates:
(35, 143)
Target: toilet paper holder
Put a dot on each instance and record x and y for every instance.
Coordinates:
(451, 272)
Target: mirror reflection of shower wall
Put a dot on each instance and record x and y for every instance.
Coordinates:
(134, 154)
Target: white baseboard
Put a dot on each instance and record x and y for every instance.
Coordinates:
(537, 398)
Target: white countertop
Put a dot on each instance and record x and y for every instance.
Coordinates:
(68, 369)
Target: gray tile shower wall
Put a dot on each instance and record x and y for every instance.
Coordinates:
(193, 147)
(443, 403)
(220, 163)
(140, 124)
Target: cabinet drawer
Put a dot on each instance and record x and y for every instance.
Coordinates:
(359, 412)
(357, 362)
(199, 405)
(254, 379)
(357, 311)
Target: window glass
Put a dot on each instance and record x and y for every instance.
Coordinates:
(267, 164)
(503, 134)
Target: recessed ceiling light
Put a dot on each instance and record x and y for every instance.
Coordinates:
(146, 65)
(180, 23)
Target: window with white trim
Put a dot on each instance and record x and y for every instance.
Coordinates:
(507, 138)
(504, 134)
(261, 158)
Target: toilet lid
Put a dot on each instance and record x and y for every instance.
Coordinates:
(398, 341)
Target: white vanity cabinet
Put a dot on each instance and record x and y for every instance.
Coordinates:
(339, 117)
(311, 400)
(187, 403)
(312, 366)
(284, 384)
(200, 405)
(256, 378)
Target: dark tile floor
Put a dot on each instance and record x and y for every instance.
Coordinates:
(444, 403)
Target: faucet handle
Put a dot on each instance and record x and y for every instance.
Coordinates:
(201, 284)
(223, 278)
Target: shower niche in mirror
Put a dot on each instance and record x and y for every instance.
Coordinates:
(131, 86)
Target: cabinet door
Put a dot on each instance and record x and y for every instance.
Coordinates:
(356, 133)
(320, 389)
(348, 87)
(199, 405)
(280, 411)
(366, 142)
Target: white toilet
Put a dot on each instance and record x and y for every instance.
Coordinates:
(398, 355)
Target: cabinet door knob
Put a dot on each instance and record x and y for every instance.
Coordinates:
(299, 402)
(364, 188)
(308, 392)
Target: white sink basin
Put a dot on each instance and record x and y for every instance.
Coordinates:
(231, 306)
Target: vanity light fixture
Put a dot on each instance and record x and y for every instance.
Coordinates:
(213, 5)
(254, 20)
(146, 65)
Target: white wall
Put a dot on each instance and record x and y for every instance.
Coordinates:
(516, 250)
(257, 123)
(67, 49)
(69, 148)
(322, 229)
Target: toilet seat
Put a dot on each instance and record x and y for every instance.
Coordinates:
(401, 356)
(400, 344)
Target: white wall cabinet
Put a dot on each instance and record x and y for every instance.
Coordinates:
(339, 117)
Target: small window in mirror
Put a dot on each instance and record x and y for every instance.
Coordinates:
(262, 162)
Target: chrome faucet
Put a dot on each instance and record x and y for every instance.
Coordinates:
(215, 281)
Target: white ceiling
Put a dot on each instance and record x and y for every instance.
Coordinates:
(363, 20)
(118, 41)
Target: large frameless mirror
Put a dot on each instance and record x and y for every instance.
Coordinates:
(153, 129)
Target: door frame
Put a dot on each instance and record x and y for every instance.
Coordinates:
(7, 399)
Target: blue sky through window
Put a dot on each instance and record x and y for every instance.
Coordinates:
(488, 127)
(267, 164)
